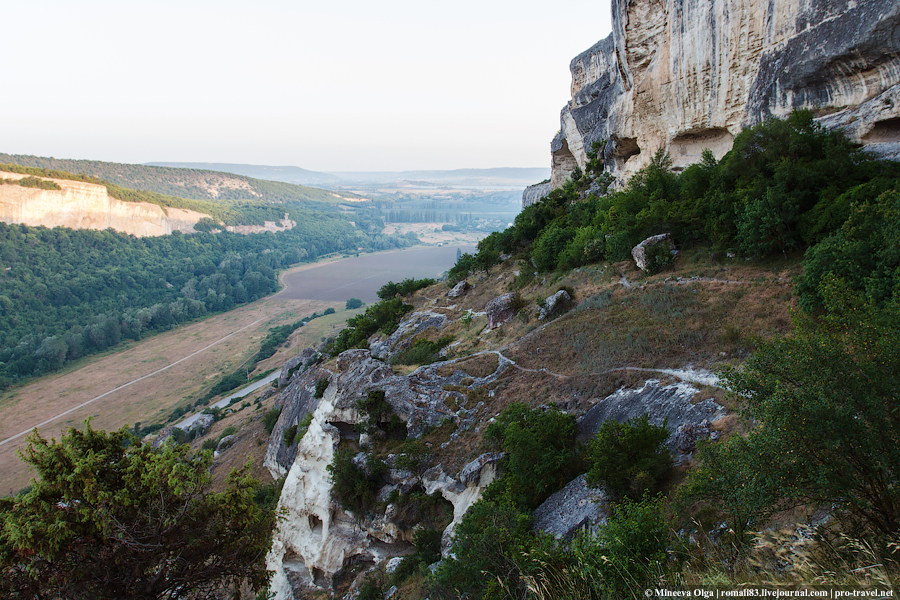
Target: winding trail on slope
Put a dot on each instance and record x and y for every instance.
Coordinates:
(698, 376)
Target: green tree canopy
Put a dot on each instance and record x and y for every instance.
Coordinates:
(110, 517)
(825, 400)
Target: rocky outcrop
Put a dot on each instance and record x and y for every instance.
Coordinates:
(641, 251)
(500, 310)
(82, 205)
(267, 227)
(408, 329)
(318, 539)
(535, 192)
(673, 405)
(572, 509)
(686, 75)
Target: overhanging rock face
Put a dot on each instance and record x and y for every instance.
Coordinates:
(685, 75)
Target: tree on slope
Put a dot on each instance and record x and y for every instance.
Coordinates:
(110, 517)
(825, 401)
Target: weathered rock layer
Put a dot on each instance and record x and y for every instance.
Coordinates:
(685, 75)
(82, 205)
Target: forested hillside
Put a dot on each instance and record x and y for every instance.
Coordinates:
(786, 186)
(67, 293)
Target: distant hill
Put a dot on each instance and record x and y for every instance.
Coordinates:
(199, 184)
(500, 176)
(286, 174)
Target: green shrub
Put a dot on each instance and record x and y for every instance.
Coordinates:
(422, 352)
(303, 427)
(428, 551)
(542, 455)
(321, 386)
(270, 418)
(353, 303)
(827, 426)
(288, 435)
(404, 288)
(36, 182)
(629, 457)
(372, 587)
(629, 554)
(383, 316)
(353, 487)
(380, 416)
(329, 311)
(488, 553)
(266, 496)
(659, 258)
(180, 436)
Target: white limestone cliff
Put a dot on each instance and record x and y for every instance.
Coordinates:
(317, 539)
(82, 205)
(685, 75)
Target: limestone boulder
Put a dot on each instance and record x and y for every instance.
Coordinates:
(673, 405)
(657, 243)
(553, 304)
(459, 289)
(500, 310)
(572, 509)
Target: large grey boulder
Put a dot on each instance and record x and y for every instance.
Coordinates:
(642, 251)
(553, 303)
(574, 508)
(499, 310)
(670, 404)
(458, 290)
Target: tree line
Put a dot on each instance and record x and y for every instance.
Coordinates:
(68, 293)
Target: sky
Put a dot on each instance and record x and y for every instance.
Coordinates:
(348, 85)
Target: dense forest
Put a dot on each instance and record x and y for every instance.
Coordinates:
(67, 293)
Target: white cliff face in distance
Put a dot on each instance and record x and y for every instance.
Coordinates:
(82, 205)
(685, 75)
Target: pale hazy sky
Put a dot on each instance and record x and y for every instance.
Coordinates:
(329, 86)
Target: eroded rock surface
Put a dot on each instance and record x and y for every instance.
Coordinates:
(672, 405)
(534, 193)
(499, 310)
(83, 205)
(685, 75)
(574, 508)
(410, 327)
(318, 539)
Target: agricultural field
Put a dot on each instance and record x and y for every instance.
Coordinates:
(361, 276)
(146, 381)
